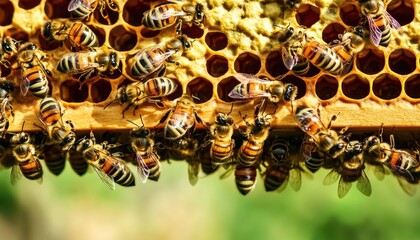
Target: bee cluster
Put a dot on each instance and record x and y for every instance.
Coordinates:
(115, 66)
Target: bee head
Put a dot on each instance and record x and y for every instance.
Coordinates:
(184, 41)
(279, 152)
(290, 93)
(122, 94)
(46, 31)
(6, 85)
(140, 132)
(83, 144)
(9, 45)
(68, 141)
(199, 14)
(114, 61)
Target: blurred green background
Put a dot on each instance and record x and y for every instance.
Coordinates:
(73, 207)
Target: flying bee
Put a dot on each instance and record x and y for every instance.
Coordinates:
(151, 60)
(251, 87)
(166, 15)
(77, 33)
(245, 178)
(135, 94)
(314, 159)
(84, 8)
(109, 168)
(180, 119)
(8, 48)
(142, 143)
(350, 169)
(34, 73)
(379, 20)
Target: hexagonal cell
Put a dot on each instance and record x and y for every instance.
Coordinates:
(122, 39)
(133, 10)
(28, 4)
(148, 33)
(412, 86)
(71, 91)
(178, 91)
(330, 33)
(6, 13)
(192, 31)
(217, 65)
(57, 9)
(216, 40)
(99, 32)
(224, 87)
(355, 87)
(387, 86)
(370, 61)
(100, 90)
(17, 33)
(402, 11)
(44, 44)
(247, 63)
(201, 89)
(402, 61)
(326, 87)
(350, 14)
(307, 15)
(298, 82)
(111, 15)
(274, 64)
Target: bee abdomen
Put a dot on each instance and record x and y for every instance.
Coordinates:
(275, 177)
(82, 35)
(121, 174)
(31, 169)
(149, 22)
(160, 86)
(249, 153)
(38, 83)
(245, 178)
(54, 159)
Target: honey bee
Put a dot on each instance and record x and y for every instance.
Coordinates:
(180, 119)
(34, 73)
(379, 20)
(78, 34)
(110, 169)
(288, 5)
(8, 48)
(142, 143)
(206, 161)
(151, 60)
(314, 159)
(54, 158)
(327, 140)
(77, 162)
(166, 15)
(135, 94)
(350, 169)
(84, 8)
(252, 87)
(27, 162)
(87, 63)
(4, 120)
(245, 178)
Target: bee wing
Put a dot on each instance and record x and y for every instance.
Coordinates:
(230, 169)
(331, 177)
(289, 60)
(347, 66)
(142, 168)
(363, 184)
(246, 80)
(193, 170)
(343, 188)
(394, 23)
(246, 77)
(409, 188)
(295, 179)
(75, 4)
(167, 14)
(283, 185)
(375, 32)
(15, 175)
(24, 85)
(379, 172)
(107, 180)
(86, 60)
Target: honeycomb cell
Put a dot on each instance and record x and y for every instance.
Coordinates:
(217, 65)
(216, 40)
(4, 71)
(387, 86)
(178, 91)
(148, 33)
(72, 91)
(326, 87)
(133, 12)
(247, 63)
(402, 11)
(122, 39)
(274, 64)
(57, 9)
(201, 89)
(412, 86)
(298, 82)
(111, 15)
(330, 33)
(100, 90)
(224, 87)
(355, 87)
(17, 33)
(99, 32)
(312, 71)
(402, 61)
(307, 15)
(6, 13)
(192, 31)
(46, 45)
(370, 61)
(350, 14)
(28, 4)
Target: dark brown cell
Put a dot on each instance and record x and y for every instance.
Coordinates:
(217, 65)
(28, 4)
(122, 38)
(224, 87)
(46, 45)
(17, 33)
(216, 40)
(247, 63)
(402, 61)
(201, 89)
(100, 90)
(370, 61)
(355, 87)
(326, 87)
(133, 12)
(402, 11)
(387, 87)
(4, 71)
(99, 32)
(71, 91)
(350, 14)
(111, 15)
(274, 64)
(192, 31)
(56, 9)
(149, 33)
(412, 86)
(298, 82)
(178, 91)
(6, 13)
(307, 15)
(330, 33)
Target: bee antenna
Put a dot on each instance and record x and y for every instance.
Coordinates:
(197, 98)
(231, 108)
(134, 122)
(141, 119)
(110, 103)
(23, 124)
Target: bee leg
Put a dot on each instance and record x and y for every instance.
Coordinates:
(104, 12)
(126, 108)
(179, 27)
(69, 122)
(162, 71)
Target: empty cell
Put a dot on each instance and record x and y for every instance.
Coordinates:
(402, 11)
(201, 89)
(99, 32)
(28, 4)
(355, 87)
(17, 33)
(56, 9)
(350, 14)
(370, 61)
(312, 71)
(387, 87)
(133, 11)
(122, 38)
(45, 44)
(192, 31)
(326, 87)
(100, 90)
(402, 61)
(217, 65)
(247, 63)
(298, 82)
(307, 15)
(216, 40)
(72, 91)
(178, 91)
(330, 33)
(149, 33)
(6, 13)
(224, 87)
(274, 64)
(412, 86)
(111, 15)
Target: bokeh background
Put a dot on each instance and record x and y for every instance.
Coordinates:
(73, 207)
